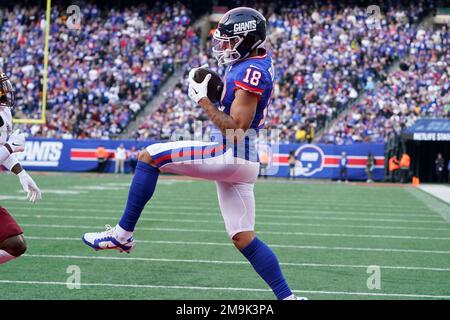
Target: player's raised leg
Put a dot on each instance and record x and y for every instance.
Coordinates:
(12, 241)
(192, 158)
(237, 204)
(141, 190)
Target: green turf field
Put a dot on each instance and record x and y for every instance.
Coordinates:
(325, 235)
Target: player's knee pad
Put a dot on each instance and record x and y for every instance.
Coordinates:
(15, 246)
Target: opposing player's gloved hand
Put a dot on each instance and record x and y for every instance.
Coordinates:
(17, 141)
(30, 187)
(198, 90)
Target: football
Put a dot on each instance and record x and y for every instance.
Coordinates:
(215, 85)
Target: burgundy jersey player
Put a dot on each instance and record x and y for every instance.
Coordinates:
(12, 241)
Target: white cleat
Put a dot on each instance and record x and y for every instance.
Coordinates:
(108, 240)
(294, 297)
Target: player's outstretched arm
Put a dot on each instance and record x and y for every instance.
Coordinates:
(29, 186)
(16, 143)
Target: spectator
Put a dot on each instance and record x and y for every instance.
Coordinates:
(343, 163)
(263, 163)
(133, 157)
(448, 171)
(309, 133)
(102, 158)
(120, 157)
(393, 168)
(292, 162)
(405, 162)
(370, 166)
(440, 165)
(300, 134)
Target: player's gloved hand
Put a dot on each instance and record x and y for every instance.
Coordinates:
(197, 90)
(16, 141)
(30, 187)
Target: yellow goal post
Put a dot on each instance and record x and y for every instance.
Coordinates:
(42, 120)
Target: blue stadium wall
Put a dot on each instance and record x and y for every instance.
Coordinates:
(313, 161)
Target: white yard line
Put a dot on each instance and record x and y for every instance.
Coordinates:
(47, 216)
(199, 288)
(200, 261)
(200, 243)
(315, 217)
(80, 206)
(276, 203)
(346, 235)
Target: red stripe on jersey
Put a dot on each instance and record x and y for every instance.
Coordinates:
(245, 87)
(258, 95)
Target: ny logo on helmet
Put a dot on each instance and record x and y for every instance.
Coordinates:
(243, 27)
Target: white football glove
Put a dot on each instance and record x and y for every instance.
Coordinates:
(17, 141)
(197, 90)
(30, 187)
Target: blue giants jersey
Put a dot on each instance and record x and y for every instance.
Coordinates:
(256, 75)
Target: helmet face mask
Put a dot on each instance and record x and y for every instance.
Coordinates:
(225, 48)
(7, 93)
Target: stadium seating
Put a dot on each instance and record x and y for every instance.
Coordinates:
(325, 57)
(99, 76)
(419, 88)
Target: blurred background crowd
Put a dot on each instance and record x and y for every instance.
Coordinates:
(355, 78)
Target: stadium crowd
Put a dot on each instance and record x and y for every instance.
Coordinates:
(100, 74)
(420, 87)
(324, 57)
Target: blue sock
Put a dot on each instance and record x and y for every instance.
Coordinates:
(266, 264)
(141, 190)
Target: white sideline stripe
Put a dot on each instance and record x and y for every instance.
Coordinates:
(376, 236)
(226, 244)
(200, 261)
(200, 214)
(117, 285)
(439, 191)
(317, 217)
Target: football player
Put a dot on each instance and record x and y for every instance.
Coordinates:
(229, 159)
(12, 241)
